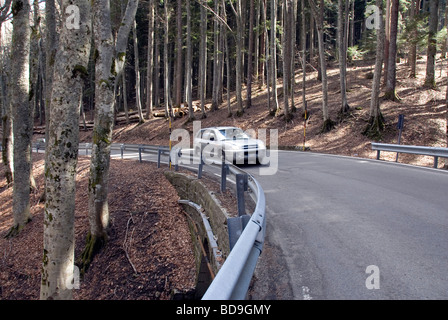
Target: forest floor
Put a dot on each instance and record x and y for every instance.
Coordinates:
(147, 223)
(148, 231)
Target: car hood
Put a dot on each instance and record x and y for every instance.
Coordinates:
(243, 142)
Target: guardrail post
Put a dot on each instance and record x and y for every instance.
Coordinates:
(436, 162)
(235, 227)
(378, 155)
(201, 164)
(223, 172)
(87, 149)
(140, 153)
(122, 150)
(241, 187)
(178, 154)
(159, 152)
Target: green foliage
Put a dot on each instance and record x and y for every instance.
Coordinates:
(355, 53)
(368, 43)
(415, 32)
(441, 36)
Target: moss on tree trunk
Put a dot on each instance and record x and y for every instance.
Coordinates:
(374, 127)
(94, 244)
(327, 126)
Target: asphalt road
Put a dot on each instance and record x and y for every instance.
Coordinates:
(347, 228)
(329, 218)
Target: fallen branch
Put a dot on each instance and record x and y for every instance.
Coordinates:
(124, 245)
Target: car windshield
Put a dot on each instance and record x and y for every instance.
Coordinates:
(234, 134)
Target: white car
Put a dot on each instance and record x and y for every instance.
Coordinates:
(237, 146)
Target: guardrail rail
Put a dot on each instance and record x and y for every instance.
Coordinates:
(436, 152)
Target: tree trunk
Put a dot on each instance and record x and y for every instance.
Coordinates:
(125, 96)
(303, 38)
(216, 49)
(227, 55)
(109, 67)
(179, 73)
(392, 64)
(386, 41)
(415, 8)
(6, 116)
(376, 121)
(51, 45)
(150, 65)
(257, 43)
(203, 60)
(342, 28)
(266, 54)
(292, 40)
(157, 57)
(21, 108)
(318, 13)
(250, 54)
(189, 62)
(274, 54)
(166, 74)
(239, 55)
(138, 96)
(263, 47)
(287, 33)
(71, 68)
(430, 81)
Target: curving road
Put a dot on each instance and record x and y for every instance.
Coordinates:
(351, 228)
(330, 218)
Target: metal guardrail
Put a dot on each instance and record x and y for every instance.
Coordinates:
(435, 152)
(233, 278)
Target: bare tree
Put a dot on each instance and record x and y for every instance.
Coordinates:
(303, 39)
(150, 60)
(390, 92)
(287, 56)
(273, 59)
(318, 12)
(6, 111)
(432, 44)
(179, 73)
(21, 110)
(239, 54)
(108, 68)
(376, 121)
(342, 46)
(70, 68)
(415, 8)
(138, 96)
(166, 63)
(216, 63)
(203, 60)
(226, 45)
(188, 66)
(250, 53)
